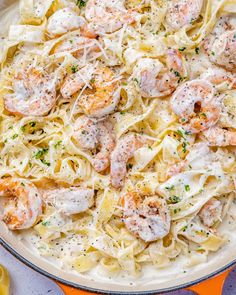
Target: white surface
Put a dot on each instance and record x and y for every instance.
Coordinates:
(25, 281)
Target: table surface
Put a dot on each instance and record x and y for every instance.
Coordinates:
(25, 281)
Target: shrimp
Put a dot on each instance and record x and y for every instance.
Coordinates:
(123, 151)
(99, 101)
(92, 134)
(211, 212)
(220, 77)
(157, 80)
(77, 46)
(71, 200)
(106, 16)
(66, 20)
(23, 203)
(182, 13)
(34, 93)
(196, 105)
(220, 45)
(148, 219)
(223, 50)
(217, 136)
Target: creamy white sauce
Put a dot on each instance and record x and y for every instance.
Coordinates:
(149, 273)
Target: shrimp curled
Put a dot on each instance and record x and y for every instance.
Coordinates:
(157, 80)
(196, 105)
(123, 151)
(103, 96)
(23, 203)
(107, 16)
(66, 20)
(182, 13)
(148, 219)
(34, 94)
(91, 134)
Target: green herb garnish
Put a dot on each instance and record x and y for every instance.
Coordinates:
(187, 188)
(81, 3)
(40, 153)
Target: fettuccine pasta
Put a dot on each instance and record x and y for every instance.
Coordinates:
(118, 130)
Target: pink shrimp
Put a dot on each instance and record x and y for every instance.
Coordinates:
(211, 212)
(196, 105)
(123, 151)
(34, 93)
(217, 136)
(66, 20)
(107, 16)
(157, 80)
(23, 203)
(99, 101)
(182, 13)
(91, 135)
(148, 219)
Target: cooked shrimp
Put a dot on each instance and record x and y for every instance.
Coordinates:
(108, 16)
(91, 135)
(182, 13)
(211, 212)
(66, 20)
(196, 105)
(148, 219)
(74, 82)
(23, 203)
(216, 136)
(99, 101)
(34, 93)
(77, 46)
(71, 200)
(220, 77)
(123, 151)
(155, 79)
(223, 50)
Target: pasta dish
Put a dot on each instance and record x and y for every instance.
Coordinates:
(118, 131)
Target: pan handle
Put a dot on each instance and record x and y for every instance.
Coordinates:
(215, 285)
(72, 291)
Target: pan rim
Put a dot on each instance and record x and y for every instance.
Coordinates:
(43, 272)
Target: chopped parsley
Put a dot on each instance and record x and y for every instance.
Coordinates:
(14, 136)
(187, 188)
(57, 144)
(74, 68)
(46, 223)
(40, 153)
(136, 80)
(22, 128)
(213, 53)
(81, 3)
(45, 162)
(170, 188)
(174, 199)
(184, 145)
(130, 166)
(184, 228)
(182, 48)
(32, 124)
(177, 74)
(197, 49)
